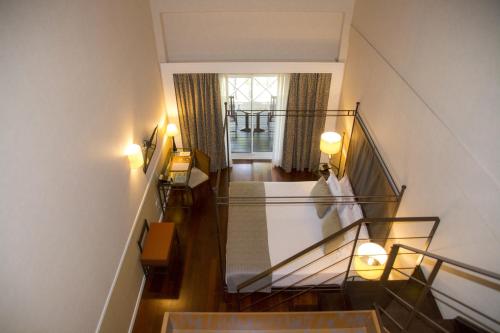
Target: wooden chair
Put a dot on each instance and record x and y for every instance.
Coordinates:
(200, 173)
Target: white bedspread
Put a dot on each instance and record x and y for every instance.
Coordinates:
(292, 228)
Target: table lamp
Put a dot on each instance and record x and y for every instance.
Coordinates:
(331, 144)
(172, 131)
(370, 261)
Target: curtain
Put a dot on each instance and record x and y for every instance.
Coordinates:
(200, 115)
(307, 97)
(279, 126)
(224, 99)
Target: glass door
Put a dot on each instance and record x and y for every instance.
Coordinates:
(251, 99)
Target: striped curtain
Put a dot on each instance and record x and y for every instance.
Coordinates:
(308, 96)
(200, 115)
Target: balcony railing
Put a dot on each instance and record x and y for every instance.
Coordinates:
(251, 126)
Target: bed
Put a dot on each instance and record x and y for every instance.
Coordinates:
(304, 228)
(259, 213)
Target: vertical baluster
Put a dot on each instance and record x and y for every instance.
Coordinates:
(390, 263)
(352, 254)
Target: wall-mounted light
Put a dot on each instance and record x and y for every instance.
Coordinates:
(172, 131)
(149, 147)
(370, 261)
(162, 121)
(141, 156)
(331, 143)
(135, 158)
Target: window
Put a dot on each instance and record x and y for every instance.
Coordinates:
(251, 123)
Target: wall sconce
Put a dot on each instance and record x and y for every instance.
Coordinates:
(141, 156)
(331, 143)
(162, 121)
(149, 147)
(370, 261)
(135, 158)
(172, 131)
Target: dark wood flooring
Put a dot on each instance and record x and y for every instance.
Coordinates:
(195, 283)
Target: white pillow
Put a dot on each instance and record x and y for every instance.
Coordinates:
(345, 186)
(321, 189)
(334, 185)
(348, 213)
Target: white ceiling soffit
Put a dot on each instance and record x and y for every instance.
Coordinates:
(200, 36)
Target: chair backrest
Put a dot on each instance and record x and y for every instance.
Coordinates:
(202, 161)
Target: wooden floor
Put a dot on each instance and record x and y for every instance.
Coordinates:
(195, 284)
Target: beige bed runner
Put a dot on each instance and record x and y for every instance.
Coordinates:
(247, 249)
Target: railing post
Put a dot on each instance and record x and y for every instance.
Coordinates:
(228, 152)
(352, 254)
(222, 263)
(390, 263)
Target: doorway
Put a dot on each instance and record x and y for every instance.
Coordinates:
(252, 100)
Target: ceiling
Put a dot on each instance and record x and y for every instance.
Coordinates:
(274, 30)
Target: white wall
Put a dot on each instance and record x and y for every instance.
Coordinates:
(79, 81)
(125, 294)
(262, 30)
(427, 74)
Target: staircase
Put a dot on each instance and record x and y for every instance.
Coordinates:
(271, 322)
(409, 305)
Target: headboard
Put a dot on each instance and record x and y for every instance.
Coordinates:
(369, 176)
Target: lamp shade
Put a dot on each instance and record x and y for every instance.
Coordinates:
(370, 261)
(134, 153)
(330, 143)
(172, 130)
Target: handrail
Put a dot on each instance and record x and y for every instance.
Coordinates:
(297, 282)
(359, 222)
(451, 261)
(301, 267)
(303, 292)
(447, 296)
(228, 200)
(247, 197)
(427, 285)
(371, 142)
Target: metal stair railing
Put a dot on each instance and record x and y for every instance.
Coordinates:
(414, 309)
(241, 295)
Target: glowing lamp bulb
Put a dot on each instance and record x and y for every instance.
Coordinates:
(134, 153)
(370, 261)
(172, 130)
(330, 143)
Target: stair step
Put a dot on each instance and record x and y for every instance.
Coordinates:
(319, 330)
(272, 322)
(334, 301)
(305, 307)
(401, 314)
